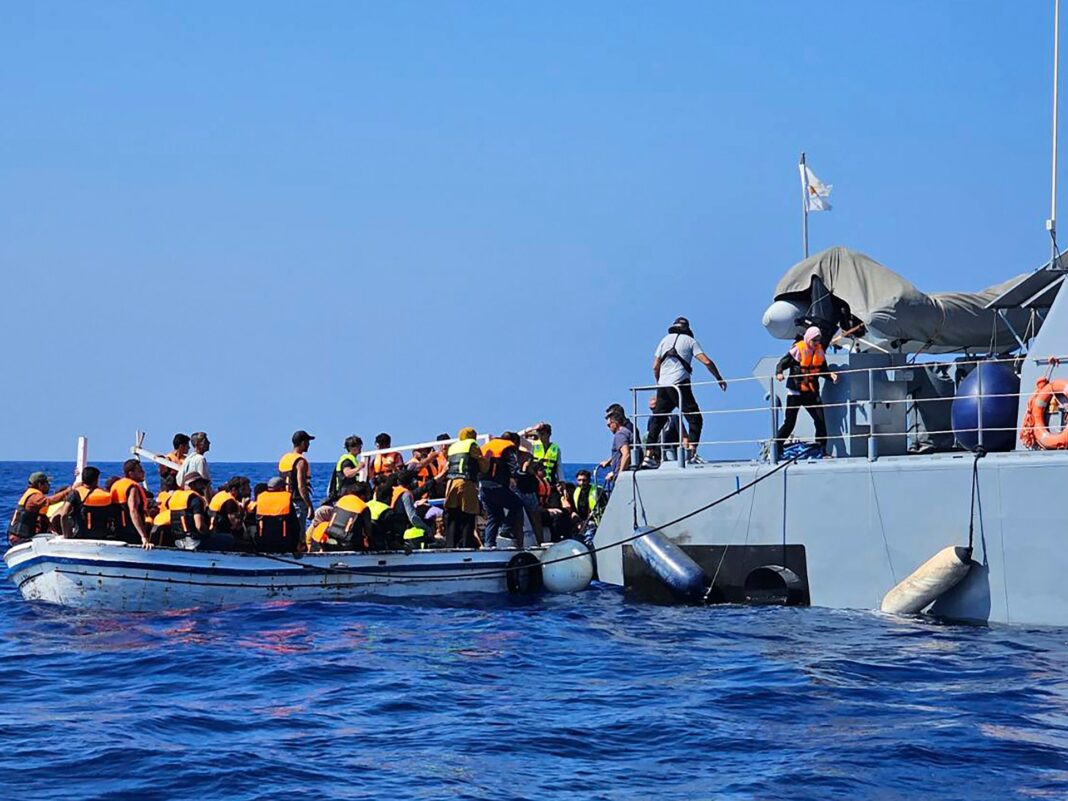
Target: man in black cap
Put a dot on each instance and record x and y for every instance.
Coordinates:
(672, 368)
(294, 468)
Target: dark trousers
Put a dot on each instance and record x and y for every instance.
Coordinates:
(459, 529)
(501, 505)
(667, 400)
(811, 402)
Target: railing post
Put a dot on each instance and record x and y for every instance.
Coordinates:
(873, 442)
(682, 450)
(637, 436)
(979, 407)
(773, 443)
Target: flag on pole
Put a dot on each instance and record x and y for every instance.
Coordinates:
(816, 192)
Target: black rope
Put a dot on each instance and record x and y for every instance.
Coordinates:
(979, 454)
(507, 569)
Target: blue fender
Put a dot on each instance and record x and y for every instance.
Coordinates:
(681, 574)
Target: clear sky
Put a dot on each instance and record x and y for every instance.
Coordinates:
(413, 216)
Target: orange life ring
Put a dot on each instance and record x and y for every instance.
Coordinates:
(1034, 433)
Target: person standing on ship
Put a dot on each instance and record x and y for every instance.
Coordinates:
(806, 363)
(672, 368)
(546, 451)
(385, 464)
(622, 439)
(294, 468)
(196, 462)
(496, 489)
(347, 470)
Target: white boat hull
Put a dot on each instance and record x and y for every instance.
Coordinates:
(105, 575)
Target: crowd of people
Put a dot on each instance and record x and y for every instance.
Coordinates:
(459, 494)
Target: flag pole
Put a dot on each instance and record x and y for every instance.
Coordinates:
(804, 205)
(1051, 223)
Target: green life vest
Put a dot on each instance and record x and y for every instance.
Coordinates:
(550, 457)
(461, 465)
(338, 482)
(591, 498)
(377, 508)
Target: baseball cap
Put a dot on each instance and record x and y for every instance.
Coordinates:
(301, 436)
(37, 477)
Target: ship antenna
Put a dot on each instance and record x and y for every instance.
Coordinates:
(1051, 223)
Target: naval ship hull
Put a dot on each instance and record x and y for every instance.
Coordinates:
(854, 528)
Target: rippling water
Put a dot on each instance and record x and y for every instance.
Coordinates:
(578, 697)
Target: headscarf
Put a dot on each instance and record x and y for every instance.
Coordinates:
(810, 334)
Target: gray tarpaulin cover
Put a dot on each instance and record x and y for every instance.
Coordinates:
(895, 309)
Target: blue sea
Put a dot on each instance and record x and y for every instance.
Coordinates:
(565, 697)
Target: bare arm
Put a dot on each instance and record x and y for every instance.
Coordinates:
(624, 459)
(711, 365)
(302, 482)
(656, 368)
(137, 517)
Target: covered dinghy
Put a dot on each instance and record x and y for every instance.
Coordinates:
(895, 311)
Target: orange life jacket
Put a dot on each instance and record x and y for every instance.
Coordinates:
(385, 463)
(497, 451)
(25, 523)
(319, 534)
(219, 521)
(181, 517)
(347, 512)
(287, 469)
(811, 360)
(96, 510)
(275, 528)
(545, 491)
(398, 493)
(120, 491)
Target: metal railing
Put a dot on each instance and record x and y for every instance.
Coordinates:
(869, 404)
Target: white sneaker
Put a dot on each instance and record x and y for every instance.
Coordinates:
(695, 459)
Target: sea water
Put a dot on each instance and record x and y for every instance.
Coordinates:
(564, 697)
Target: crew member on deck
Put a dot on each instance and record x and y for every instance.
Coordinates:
(461, 491)
(806, 363)
(131, 505)
(672, 368)
(29, 517)
(294, 468)
(347, 470)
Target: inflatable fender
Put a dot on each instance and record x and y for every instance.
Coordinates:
(672, 565)
(524, 574)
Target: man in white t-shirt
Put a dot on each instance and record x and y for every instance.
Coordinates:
(672, 368)
(195, 463)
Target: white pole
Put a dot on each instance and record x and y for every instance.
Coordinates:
(804, 206)
(81, 457)
(1051, 224)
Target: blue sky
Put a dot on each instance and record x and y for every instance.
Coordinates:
(351, 217)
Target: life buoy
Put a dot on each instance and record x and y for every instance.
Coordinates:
(524, 574)
(1034, 433)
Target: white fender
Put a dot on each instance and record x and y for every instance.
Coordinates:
(931, 579)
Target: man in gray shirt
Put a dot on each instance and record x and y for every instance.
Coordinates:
(672, 368)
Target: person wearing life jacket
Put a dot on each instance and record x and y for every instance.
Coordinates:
(190, 524)
(250, 511)
(545, 451)
(131, 505)
(92, 509)
(347, 470)
(463, 466)
(349, 525)
(381, 518)
(29, 518)
(279, 528)
(414, 530)
(496, 489)
(180, 444)
(803, 366)
(585, 502)
(672, 368)
(384, 464)
(226, 509)
(294, 468)
(430, 467)
(160, 532)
